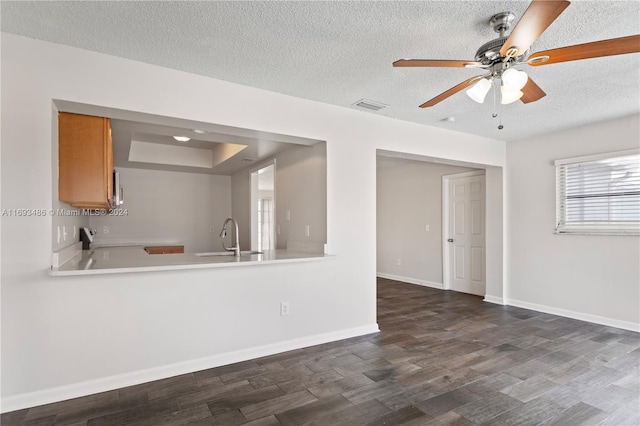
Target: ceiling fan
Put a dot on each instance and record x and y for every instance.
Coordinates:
(500, 56)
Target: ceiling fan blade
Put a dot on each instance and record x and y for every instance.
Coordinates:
(436, 63)
(596, 49)
(532, 92)
(455, 89)
(536, 19)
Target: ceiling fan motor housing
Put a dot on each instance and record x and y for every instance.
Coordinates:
(489, 53)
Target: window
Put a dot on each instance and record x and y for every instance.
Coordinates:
(599, 194)
(265, 224)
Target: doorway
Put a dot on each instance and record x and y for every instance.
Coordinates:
(411, 238)
(263, 235)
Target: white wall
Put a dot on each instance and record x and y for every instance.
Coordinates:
(169, 206)
(591, 277)
(62, 337)
(241, 205)
(496, 236)
(300, 187)
(410, 197)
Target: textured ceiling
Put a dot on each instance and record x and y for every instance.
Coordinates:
(340, 52)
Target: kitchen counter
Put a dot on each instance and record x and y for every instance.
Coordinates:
(113, 260)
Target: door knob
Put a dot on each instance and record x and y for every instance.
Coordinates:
(450, 240)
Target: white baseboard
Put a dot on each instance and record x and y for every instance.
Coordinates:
(410, 280)
(494, 299)
(46, 396)
(611, 322)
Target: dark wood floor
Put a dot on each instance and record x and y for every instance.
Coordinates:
(442, 358)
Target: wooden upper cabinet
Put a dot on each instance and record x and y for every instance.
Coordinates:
(85, 161)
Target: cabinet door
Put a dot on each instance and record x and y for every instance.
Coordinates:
(85, 159)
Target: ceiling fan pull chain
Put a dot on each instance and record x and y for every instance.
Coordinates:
(494, 114)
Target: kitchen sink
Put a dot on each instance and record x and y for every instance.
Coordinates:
(228, 253)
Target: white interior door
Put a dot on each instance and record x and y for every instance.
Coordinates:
(466, 234)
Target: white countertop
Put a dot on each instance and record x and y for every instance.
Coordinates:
(112, 260)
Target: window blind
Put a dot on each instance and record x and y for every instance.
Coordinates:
(599, 195)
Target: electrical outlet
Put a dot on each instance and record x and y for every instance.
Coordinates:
(284, 309)
(307, 231)
(105, 230)
(399, 262)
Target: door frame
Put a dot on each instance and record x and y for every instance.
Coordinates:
(253, 187)
(446, 278)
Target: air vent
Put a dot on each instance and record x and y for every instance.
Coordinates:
(370, 105)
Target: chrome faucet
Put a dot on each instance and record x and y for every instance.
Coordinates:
(223, 233)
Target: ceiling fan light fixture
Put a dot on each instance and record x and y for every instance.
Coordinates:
(479, 91)
(514, 80)
(509, 96)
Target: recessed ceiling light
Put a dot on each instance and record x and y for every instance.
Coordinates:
(450, 118)
(198, 131)
(181, 138)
